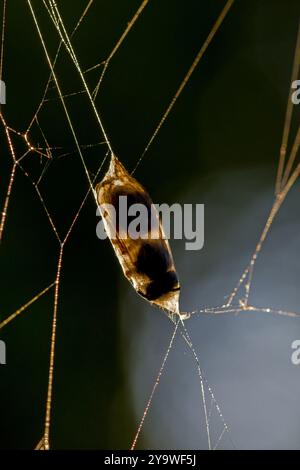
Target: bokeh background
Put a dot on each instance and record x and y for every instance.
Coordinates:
(220, 147)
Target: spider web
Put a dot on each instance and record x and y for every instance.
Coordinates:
(35, 155)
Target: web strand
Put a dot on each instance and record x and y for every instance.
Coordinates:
(25, 306)
(203, 381)
(52, 355)
(67, 42)
(118, 45)
(60, 93)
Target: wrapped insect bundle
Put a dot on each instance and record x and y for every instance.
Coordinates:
(146, 259)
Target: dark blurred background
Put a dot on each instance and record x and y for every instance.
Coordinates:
(219, 146)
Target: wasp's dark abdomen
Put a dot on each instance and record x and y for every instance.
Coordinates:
(153, 259)
(162, 285)
(155, 262)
